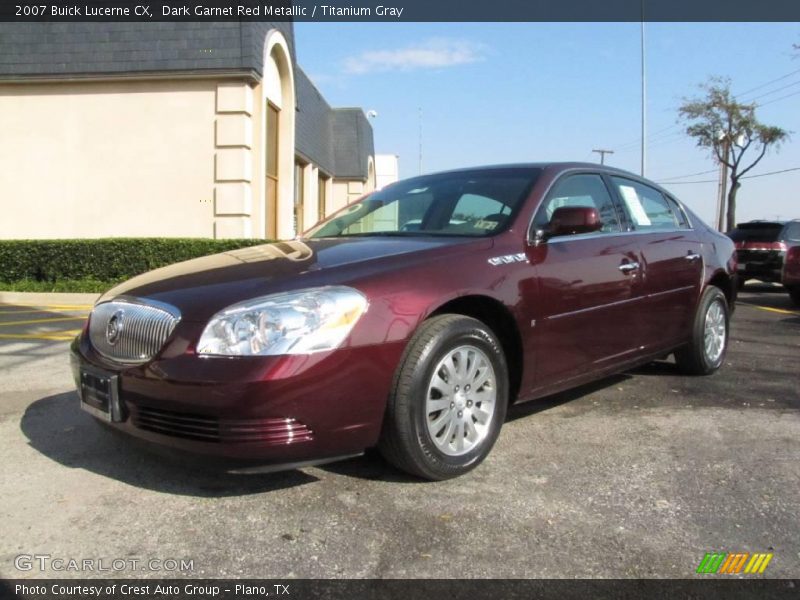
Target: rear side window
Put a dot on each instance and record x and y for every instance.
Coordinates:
(580, 190)
(757, 232)
(793, 232)
(647, 208)
(680, 215)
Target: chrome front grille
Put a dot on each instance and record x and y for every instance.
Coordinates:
(202, 428)
(131, 331)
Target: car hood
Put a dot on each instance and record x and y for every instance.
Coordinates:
(201, 287)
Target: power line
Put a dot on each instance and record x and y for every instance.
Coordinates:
(670, 139)
(776, 90)
(771, 173)
(715, 181)
(763, 85)
(779, 99)
(690, 175)
(652, 137)
(686, 182)
(661, 134)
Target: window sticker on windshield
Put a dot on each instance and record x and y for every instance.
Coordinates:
(634, 205)
(481, 224)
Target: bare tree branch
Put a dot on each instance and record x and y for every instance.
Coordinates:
(755, 162)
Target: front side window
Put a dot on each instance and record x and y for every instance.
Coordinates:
(646, 206)
(793, 232)
(586, 190)
(462, 203)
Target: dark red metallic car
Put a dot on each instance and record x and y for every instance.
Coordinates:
(791, 273)
(411, 319)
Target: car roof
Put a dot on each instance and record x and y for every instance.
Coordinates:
(539, 165)
(554, 165)
(757, 222)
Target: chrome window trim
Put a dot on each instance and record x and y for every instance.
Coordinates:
(590, 236)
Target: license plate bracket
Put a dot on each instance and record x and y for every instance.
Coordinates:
(99, 394)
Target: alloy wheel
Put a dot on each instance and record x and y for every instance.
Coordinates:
(715, 331)
(460, 401)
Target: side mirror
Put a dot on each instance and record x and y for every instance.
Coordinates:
(569, 220)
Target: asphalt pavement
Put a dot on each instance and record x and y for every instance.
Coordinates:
(638, 475)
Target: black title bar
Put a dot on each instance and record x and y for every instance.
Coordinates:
(401, 10)
(407, 589)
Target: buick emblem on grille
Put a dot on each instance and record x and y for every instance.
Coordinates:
(114, 327)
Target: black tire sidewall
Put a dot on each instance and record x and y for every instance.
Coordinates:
(462, 332)
(794, 294)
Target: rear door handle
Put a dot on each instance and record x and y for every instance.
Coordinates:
(627, 267)
(692, 256)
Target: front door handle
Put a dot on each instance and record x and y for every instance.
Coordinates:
(627, 267)
(692, 256)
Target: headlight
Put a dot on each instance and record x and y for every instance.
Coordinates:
(301, 322)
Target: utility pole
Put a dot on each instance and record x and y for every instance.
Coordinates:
(420, 140)
(722, 190)
(644, 101)
(602, 154)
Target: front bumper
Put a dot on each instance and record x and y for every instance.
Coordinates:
(265, 411)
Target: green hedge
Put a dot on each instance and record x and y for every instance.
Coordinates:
(59, 263)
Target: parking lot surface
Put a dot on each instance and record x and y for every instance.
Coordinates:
(638, 475)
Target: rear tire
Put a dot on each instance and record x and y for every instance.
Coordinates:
(705, 353)
(448, 399)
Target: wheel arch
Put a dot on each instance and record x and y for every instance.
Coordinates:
(724, 282)
(495, 315)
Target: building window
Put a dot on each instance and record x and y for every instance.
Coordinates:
(322, 199)
(299, 194)
(271, 162)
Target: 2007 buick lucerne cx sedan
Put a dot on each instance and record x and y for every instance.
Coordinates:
(410, 319)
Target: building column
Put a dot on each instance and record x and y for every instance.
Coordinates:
(311, 201)
(233, 193)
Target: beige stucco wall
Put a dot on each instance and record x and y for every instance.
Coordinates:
(345, 192)
(171, 158)
(96, 159)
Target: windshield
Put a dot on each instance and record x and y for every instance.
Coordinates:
(756, 232)
(463, 203)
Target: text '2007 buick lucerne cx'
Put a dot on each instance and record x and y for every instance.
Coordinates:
(410, 319)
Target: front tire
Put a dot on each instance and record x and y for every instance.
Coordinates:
(448, 399)
(705, 353)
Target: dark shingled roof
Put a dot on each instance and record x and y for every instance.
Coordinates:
(80, 49)
(338, 140)
(313, 124)
(352, 143)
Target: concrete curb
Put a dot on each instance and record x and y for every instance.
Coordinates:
(47, 299)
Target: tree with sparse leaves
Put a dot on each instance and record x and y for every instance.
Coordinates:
(729, 129)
